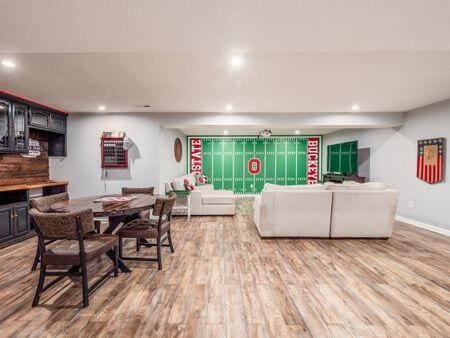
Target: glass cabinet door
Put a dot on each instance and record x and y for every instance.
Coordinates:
(39, 118)
(20, 128)
(5, 126)
(57, 122)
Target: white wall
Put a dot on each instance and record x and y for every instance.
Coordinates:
(393, 161)
(169, 168)
(82, 168)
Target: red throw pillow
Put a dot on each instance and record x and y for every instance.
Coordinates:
(201, 179)
(188, 185)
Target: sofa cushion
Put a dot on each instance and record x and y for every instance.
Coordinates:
(206, 187)
(277, 187)
(218, 197)
(368, 186)
(336, 186)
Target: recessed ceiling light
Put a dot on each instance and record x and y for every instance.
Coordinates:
(225, 132)
(229, 107)
(355, 107)
(297, 132)
(236, 61)
(8, 63)
(101, 108)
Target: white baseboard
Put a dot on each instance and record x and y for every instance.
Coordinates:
(423, 225)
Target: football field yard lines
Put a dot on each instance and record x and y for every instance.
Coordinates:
(350, 159)
(244, 164)
(243, 169)
(276, 176)
(233, 157)
(265, 161)
(342, 157)
(285, 161)
(254, 176)
(296, 161)
(212, 162)
(223, 162)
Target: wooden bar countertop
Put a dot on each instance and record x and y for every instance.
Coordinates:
(32, 185)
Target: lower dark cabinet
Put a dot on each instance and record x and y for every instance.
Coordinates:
(6, 223)
(14, 221)
(21, 219)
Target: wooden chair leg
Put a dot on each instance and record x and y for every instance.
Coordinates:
(116, 261)
(169, 238)
(120, 247)
(85, 284)
(40, 286)
(158, 252)
(37, 257)
(138, 244)
(97, 226)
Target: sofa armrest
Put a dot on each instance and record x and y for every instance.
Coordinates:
(363, 213)
(196, 199)
(265, 213)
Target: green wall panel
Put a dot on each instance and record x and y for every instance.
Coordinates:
(283, 160)
(343, 157)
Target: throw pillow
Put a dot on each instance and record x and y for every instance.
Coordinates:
(178, 184)
(190, 178)
(188, 185)
(201, 179)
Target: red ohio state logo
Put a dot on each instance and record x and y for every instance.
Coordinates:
(254, 166)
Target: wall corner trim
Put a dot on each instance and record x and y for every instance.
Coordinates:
(423, 225)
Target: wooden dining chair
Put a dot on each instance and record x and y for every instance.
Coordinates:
(143, 214)
(131, 191)
(153, 229)
(43, 204)
(77, 244)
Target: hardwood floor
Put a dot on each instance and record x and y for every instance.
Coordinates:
(224, 281)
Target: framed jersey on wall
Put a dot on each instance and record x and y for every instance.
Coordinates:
(245, 163)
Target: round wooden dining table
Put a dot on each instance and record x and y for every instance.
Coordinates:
(117, 212)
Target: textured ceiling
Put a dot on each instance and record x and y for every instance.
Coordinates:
(199, 26)
(299, 56)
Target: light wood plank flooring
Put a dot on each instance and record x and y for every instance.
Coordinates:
(224, 281)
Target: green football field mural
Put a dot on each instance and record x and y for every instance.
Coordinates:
(343, 157)
(245, 163)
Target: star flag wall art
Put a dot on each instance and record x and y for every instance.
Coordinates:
(430, 160)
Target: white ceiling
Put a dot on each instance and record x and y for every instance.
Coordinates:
(299, 56)
(232, 130)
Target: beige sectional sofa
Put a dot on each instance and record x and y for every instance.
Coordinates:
(204, 200)
(329, 210)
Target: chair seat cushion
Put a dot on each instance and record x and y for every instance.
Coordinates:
(142, 228)
(218, 197)
(66, 252)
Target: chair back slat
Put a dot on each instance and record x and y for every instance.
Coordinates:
(43, 204)
(163, 206)
(62, 225)
(130, 191)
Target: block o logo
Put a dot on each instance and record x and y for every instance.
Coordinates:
(254, 166)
